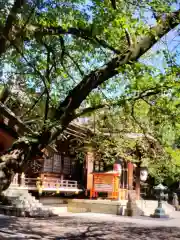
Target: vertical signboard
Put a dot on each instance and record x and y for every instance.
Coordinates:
(67, 165)
(57, 163)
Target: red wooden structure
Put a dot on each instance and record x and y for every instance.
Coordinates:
(107, 182)
(60, 164)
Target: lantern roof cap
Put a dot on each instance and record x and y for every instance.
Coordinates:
(160, 187)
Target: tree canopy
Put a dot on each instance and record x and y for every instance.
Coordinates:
(63, 60)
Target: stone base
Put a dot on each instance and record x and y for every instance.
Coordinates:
(104, 206)
(159, 213)
(96, 206)
(20, 212)
(11, 211)
(22, 204)
(133, 210)
(177, 208)
(159, 216)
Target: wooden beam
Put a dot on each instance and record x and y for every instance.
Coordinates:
(11, 119)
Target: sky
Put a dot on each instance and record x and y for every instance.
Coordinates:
(170, 42)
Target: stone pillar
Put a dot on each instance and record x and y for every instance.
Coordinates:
(175, 201)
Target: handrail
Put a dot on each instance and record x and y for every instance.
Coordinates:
(51, 183)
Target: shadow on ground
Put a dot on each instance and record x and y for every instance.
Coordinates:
(74, 228)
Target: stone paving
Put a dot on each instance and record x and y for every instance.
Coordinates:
(89, 226)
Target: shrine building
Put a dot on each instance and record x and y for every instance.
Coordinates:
(61, 172)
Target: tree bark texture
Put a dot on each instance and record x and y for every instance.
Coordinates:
(13, 162)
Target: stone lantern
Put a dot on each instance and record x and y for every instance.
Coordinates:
(159, 211)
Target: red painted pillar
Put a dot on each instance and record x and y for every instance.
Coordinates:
(130, 175)
(89, 169)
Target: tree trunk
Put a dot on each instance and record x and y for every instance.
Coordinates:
(16, 161)
(8, 167)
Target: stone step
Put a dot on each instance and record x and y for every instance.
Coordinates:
(27, 204)
(59, 210)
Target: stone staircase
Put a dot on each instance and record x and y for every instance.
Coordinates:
(21, 203)
(148, 207)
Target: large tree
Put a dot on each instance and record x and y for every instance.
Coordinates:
(59, 53)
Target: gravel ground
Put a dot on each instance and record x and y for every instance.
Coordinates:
(89, 226)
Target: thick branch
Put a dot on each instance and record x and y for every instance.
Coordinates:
(142, 95)
(170, 22)
(85, 34)
(91, 109)
(66, 109)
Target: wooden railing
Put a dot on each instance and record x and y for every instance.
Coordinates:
(52, 184)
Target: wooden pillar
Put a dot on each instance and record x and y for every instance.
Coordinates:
(22, 180)
(89, 169)
(138, 182)
(130, 175)
(15, 180)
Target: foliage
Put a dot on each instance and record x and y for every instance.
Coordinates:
(146, 122)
